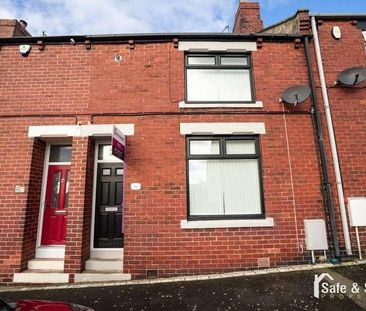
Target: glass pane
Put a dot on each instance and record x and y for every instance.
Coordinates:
(67, 190)
(240, 146)
(60, 153)
(119, 171)
(239, 60)
(224, 187)
(240, 184)
(202, 85)
(55, 189)
(204, 147)
(105, 153)
(234, 85)
(106, 172)
(218, 85)
(205, 193)
(200, 60)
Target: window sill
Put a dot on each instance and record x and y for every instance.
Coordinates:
(257, 104)
(230, 223)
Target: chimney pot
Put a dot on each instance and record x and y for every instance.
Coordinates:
(23, 23)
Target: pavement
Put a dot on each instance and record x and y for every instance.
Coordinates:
(293, 290)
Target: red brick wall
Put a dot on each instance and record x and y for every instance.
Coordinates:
(154, 239)
(53, 81)
(72, 80)
(33, 202)
(80, 205)
(149, 78)
(348, 108)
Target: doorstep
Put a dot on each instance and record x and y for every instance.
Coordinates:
(52, 251)
(107, 253)
(43, 270)
(41, 277)
(97, 276)
(46, 264)
(104, 265)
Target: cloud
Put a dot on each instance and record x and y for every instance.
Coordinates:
(6, 10)
(57, 17)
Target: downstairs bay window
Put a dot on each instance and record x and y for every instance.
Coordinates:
(224, 177)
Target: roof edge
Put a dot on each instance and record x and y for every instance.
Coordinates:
(152, 37)
(339, 16)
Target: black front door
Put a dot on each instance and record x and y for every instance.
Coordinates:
(108, 209)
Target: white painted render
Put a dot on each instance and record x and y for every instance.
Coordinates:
(230, 223)
(229, 128)
(257, 104)
(78, 130)
(230, 46)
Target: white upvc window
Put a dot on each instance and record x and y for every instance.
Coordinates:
(219, 78)
(224, 177)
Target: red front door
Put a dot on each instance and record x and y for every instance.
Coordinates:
(57, 196)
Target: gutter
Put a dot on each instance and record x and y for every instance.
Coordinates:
(154, 37)
(327, 191)
(332, 139)
(339, 16)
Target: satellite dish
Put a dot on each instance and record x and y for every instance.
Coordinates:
(352, 76)
(296, 94)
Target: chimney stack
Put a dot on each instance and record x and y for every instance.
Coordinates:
(247, 18)
(13, 28)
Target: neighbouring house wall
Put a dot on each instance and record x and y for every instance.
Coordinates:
(299, 23)
(348, 107)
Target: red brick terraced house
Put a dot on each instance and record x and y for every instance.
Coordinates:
(218, 174)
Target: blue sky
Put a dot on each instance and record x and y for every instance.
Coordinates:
(57, 17)
(276, 10)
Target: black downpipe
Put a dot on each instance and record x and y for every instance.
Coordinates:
(323, 159)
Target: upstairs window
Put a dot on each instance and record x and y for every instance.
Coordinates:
(219, 78)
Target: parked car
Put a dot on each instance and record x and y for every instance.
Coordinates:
(40, 305)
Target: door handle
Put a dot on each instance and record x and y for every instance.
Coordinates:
(60, 212)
